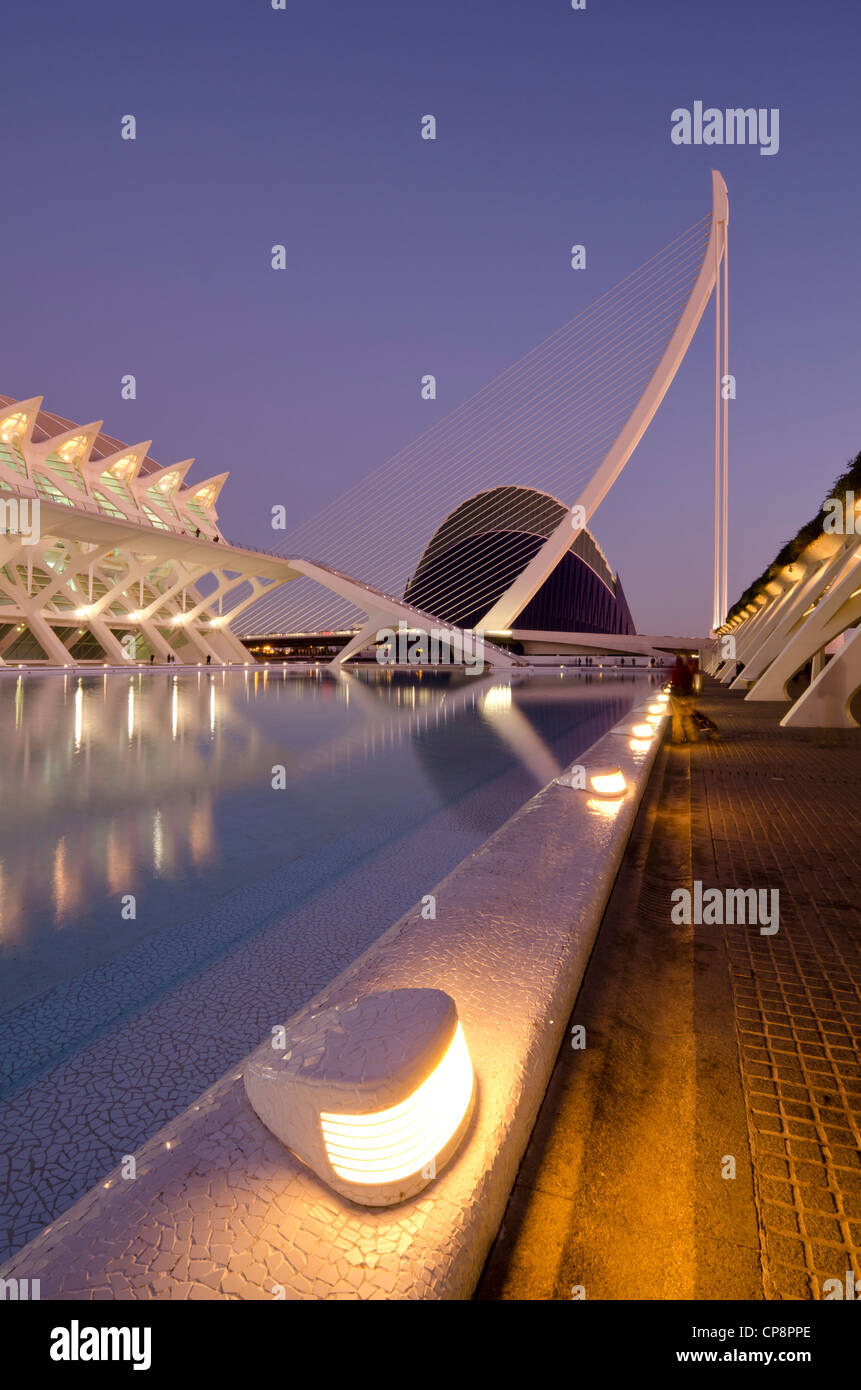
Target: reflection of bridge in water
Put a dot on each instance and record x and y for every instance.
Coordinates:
(116, 784)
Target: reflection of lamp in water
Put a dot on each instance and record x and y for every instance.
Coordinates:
(640, 745)
(79, 715)
(497, 698)
(374, 1096)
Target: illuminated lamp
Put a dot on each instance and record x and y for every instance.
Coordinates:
(656, 709)
(608, 781)
(639, 745)
(374, 1096)
(642, 731)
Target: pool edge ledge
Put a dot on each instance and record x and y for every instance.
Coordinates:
(219, 1209)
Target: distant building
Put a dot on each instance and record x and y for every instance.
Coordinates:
(485, 543)
(100, 548)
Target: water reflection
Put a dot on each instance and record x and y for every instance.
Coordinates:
(160, 785)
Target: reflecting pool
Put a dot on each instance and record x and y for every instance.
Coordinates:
(186, 858)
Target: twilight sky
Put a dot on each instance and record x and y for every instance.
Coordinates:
(301, 127)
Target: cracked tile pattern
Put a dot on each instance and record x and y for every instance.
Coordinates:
(219, 1209)
(96, 1065)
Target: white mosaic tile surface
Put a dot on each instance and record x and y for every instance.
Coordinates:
(219, 1209)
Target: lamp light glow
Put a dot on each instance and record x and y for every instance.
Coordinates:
(388, 1145)
(374, 1095)
(643, 731)
(609, 783)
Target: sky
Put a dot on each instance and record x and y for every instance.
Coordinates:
(300, 127)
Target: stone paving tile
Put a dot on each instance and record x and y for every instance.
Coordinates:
(780, 808)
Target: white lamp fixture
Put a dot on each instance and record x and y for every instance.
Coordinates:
(608, 782)
(375, 1096)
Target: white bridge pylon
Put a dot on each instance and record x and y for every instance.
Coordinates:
(561, 422)
(382, 609)
(503, 613)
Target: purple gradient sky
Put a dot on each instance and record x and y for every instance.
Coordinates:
(406, 257)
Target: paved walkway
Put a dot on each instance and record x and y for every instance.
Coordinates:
(707, 1044)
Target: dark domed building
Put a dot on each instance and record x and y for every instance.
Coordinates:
(485, 543)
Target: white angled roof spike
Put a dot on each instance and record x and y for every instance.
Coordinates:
(211, 487)
(123, 464)
(29, 409)
(66, 443)
(163, 480)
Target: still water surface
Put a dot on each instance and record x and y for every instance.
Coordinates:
(132, 804)
(164, 900)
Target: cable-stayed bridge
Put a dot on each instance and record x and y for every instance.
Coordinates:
(562, 422)
(525, 462)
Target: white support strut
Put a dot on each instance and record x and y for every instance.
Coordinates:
(502, 614)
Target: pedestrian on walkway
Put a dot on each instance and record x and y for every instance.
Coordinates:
(682, 702)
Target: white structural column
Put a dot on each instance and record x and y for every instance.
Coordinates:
(717, 616)
(721, 418)
(500, 617)
(764, 607)
(825, 703)
(821, 562)
(725, 399)
(750, 641)
(746, 635)
(837, 608)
